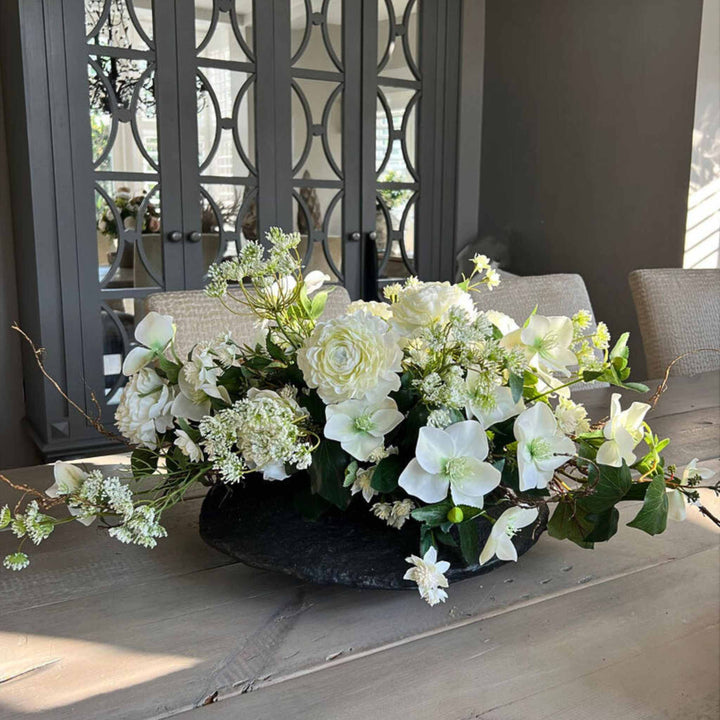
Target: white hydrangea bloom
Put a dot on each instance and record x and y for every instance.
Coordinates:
(429, 574)
(351, 357)
(145, 408)
(420, 304)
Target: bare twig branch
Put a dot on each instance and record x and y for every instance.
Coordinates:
(662, 387)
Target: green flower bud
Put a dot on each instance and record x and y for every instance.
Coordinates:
(455, 515)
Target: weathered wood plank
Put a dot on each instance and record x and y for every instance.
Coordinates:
(645, 645)
(151, 648)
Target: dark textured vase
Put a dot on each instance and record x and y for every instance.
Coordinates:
(257, 523)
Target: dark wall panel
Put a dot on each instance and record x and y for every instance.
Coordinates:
(587, 128)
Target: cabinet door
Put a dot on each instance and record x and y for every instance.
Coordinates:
(126, 171)
(220, 128)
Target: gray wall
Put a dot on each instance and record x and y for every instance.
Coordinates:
(15, 448)
(587, 132)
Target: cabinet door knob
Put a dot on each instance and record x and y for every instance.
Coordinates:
(174, 236)
(355, 237)
(194, 236)
(372, 235)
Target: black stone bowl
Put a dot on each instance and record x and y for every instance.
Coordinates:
(257, 523)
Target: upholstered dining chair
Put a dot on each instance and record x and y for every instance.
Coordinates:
(201, 318)
(558, 294)
(678, 310)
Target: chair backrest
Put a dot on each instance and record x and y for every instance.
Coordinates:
(201, 318)
(678, 311)
(559, 294)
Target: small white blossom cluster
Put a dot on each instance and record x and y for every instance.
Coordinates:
(32, 523)
(263, 432)
(396, 513)
(139, 528)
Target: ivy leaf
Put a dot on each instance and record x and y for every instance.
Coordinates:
(427, 540)
(637, 491)
(433, 515)
(516, 383)
(469, 541)
(606, 525)
(327, 473)
(274, 350)
(652, 517)
(611, 487)
(445, 538)
(387, 472)
(143, 462)
(570, 523)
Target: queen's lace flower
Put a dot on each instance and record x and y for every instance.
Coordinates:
(16, 561)
(571, 417)
(429, 574)
(145, 408)
(489, 402)
(262, 432)
(351, 357)
(140, 528)
(601, 337)
(32, 523)
(421, 304)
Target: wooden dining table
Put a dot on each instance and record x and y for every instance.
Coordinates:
(629, 630)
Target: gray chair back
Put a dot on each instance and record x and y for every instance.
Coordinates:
(199, 318)
(678, 310)
(558, 294)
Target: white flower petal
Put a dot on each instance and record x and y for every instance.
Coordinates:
(434, 446)
(481, 479)
(183, 407)
(155, 331)
(469, 439)
(361, 445)
(609, 454)
(489, 550)
(421, 484)
(505, 549)
(340, 427)
(677, 507)
(68, 479)
(136, 359)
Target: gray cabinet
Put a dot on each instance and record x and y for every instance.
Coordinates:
(157, 136)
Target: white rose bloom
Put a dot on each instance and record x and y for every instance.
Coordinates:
(188, 447)
(541, 446)
(144, 408)
(451, 459)
(351, 357)
(622, 433)
(360, 426)
(500, 541)
(429, 574)
(422, 304)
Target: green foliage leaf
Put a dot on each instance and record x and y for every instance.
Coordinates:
(350, 473)
(327, 473)
(309, 504)
(171, 369)
(274, 350)
(317, 304)
(570, 523)
(433, 515)
(469, 541)
(621, 349)
(605, 527)
(387, 472)
(610, 488)
(143, 462)
(637, 491)
(444, 537)
(427, 539)
(516, 383)
(652, 517)
(638, 387)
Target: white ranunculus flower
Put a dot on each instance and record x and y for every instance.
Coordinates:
(429, 574)
(351, 357)
(541, 448)
(677, 501)
(360, 426)
(68, 481)
(373, 307)
(424, 303)
(154, 333)
(145, 408)
(188, 446)
(546, 342)
(500, 541)
(622, 433)
(451, 458)
(489, 407)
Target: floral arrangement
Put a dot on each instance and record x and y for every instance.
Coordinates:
(128, 206)
(421, 409)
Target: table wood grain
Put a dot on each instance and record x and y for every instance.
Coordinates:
(95, 629)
